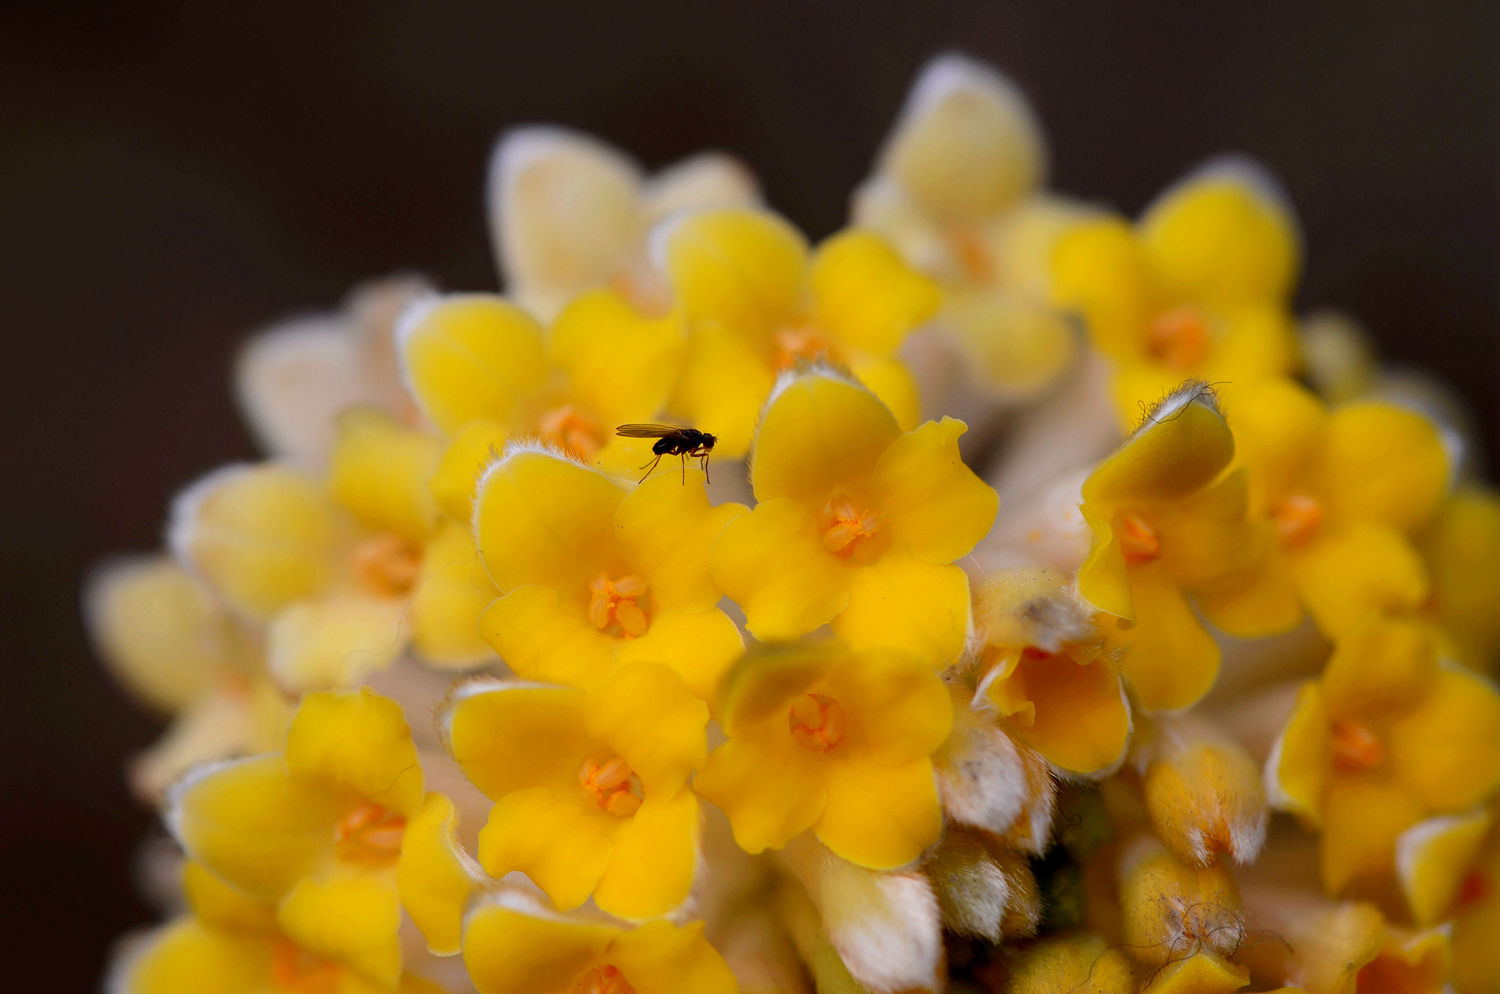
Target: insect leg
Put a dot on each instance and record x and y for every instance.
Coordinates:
(652, 465)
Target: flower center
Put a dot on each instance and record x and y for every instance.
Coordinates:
(369, 834)
(387, 565)
(613, 786)
(613, 605)
(974, 257)
(572, 431)
(818, 722)
(847, 526)
(1296, 518)
(797, 343)
(1178, 338)
(602, 980)
(1137, 539)
(1355, 747)
(297, 970)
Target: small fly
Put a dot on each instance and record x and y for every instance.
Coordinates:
(672, 440)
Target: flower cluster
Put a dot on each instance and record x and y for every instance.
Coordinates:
(463, 702)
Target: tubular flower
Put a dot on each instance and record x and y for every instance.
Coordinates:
(595, 572)
(757, 303)
(850, 735)
(605, 809)
(477, 363)
(1344, 491)
(231, 944)
(857, 524)
(1387, 736)
(319, 831)
(1197, 289)
(1167, 522)
(569, 213)
(514, 945)
(163, 635)
(1460, 549)
(957, 190)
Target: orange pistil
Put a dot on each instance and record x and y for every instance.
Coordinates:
(297, 970)
(973, 255)
(1137, 539)
(613, 786)
(387, 565)
(847, 526)
(1296, 518)
(1179, 339)
(818, 722)
(615, 603)
(602, 980)
(370, 834)
(799, 343)
(1355, 747)
(571, 430)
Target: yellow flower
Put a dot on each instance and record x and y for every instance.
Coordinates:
(1474, 903)
(1167, 521)
(484, 370)
(569, 213)
(1058, 691)
(1079, 963)
(758, 303)
(320, 831)
(1461, 548)
(957, 190)
(832, 739)
(294, 378)
(1197, 289)
(514, 945)
(597, 572)
(1172, 911)
(1386, 737)
(1344, 491)
(590, 787)
(857, 523)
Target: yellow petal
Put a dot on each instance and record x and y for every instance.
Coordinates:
(865, 296)
(160, 631)
(707, 179)
(1079, 963)
(514, 946)
(879, 816)
(188, 956)
(901, 709)
(619, 364)
(1461, 551)
(563, 847)
(1183, 446)
(650, 717)
(765, 810)
(335, 641)
(967, 145)
(245, 821)
(1361, 821)
(492, 728)
(541, 639)
(352, 919)
(468, 455)
(1384, 664)
(1223, 236)
(890, 379)
(742, 268)
(699, 646)
(452, 592)
(1255, 341)
(1254, 602)
(1348, 572)
(217, 903)
(725, 380)
(1446, 749)
(1020, 346)
(1103, 579)
(653, 856)
(1433, 858)
(935, 507)
(434, 876)
(1099, 269)
(380, 471)
(1280, 434)
(264, 536)
(1081, 721)
(228, 721)
(469, 357)
(540, 518)
(670, 527)
(907, 604)
(660, 957)
(1297, 769)
(358, 742)
(1201, 973)
(1205, 798)
(1172, 662)
(1476, 955)
(1171, 909)
(1386, 464)
(771, 562)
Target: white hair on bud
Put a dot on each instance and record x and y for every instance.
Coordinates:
(1243, 170)
(953, 72)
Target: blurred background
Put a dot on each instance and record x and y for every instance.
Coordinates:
(174, 175)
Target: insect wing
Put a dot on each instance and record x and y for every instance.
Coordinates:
(649, 431)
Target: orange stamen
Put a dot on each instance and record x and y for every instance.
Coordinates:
(817, 721)
(973, 255)
(370, 834)
(297, 970)
(798, 343)
(572, 431)
(1137, 539)
(386, 565)
(613, 786)
(1296, 518)
(847, 526)
(602, 980)
(1179, 339)
(614, 604)
(1474, 888)
(1355, 747)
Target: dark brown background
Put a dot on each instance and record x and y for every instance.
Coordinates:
(172, 176)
